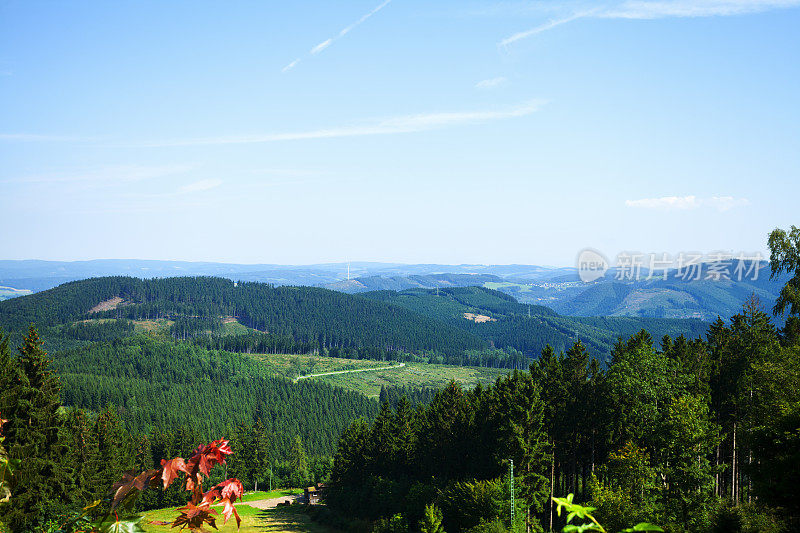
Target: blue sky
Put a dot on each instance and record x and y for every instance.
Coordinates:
(409, 131)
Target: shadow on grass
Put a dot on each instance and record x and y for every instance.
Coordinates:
(280, 520)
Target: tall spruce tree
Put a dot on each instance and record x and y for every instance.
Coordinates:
(298, 461)
(43, 483)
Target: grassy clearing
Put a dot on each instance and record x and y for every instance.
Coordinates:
(291, 366)
(415, 375)
(497, 285)
(253, 520)
(160, 326)
(369, 383)
(263, 495)
(231, 326)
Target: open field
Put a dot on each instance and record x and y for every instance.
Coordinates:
(354, 371)
(414, 375)
(152, 326)
(231, 326)
(292, 366)
(370, 382)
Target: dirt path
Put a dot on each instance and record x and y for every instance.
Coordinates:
(270, 502)
(298, 378)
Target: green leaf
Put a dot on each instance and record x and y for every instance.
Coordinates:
(92, 505)
(123, 526)
(642, 526)
(581, 528)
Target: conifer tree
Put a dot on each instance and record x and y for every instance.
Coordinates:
(431, 520)
(82, 440)
(43, 483)
(298, 461)
(6, 370)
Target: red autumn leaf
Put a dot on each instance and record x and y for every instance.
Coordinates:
(238, 520)
(228, 510)
(227, 493)
(207, 456)
(211, 496)
(129, 484)
(194, 516)
(194, 481)
(222, 447)
(232, 489)
(170, 469)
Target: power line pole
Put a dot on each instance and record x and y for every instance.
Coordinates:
(511, 478)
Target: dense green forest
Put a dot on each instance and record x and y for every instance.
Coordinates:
(78, 423)
(696, 435)
(418, 324)
(528, 328)
(308, 315)
(159, 385)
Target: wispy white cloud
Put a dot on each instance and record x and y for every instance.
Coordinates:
(491, 83)
(549, 25)
(291, 65)
(202, 185)
(344, 31)
(683, 203)
(347, 30)
(402, 124)
(656, 9)
(321, 46)
(639, 9)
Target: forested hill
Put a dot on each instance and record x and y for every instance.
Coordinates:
(305, 315)
(463, 326)
(505, 323)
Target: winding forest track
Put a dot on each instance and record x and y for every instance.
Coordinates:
(298, 378)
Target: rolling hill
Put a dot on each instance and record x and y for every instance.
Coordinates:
(528, 328)
(458, 325)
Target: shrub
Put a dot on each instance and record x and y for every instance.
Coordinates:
(395, 524)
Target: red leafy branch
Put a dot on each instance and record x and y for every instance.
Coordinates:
(198, 510)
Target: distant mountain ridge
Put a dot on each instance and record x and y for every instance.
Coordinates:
(558, 288)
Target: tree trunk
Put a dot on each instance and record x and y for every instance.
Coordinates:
(734, 473)
(716, 475)
(552, 485)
